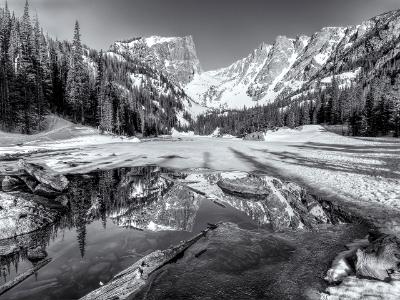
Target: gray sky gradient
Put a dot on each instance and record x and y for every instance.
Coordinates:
(223, 30)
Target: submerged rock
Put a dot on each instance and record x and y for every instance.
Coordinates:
(128, 282)
(29, 181)
(36, 254)
(45, 191)
(236, 263)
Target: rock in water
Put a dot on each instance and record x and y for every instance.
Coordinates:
(57, 182)
(36, 254)
(45, 191)
(21, 214)
(63, 199)
(249, 187)
(30, 182)
(10, 184)
(287, 204)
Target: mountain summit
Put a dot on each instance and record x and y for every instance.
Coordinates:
(286, 69)
(175, 56)
(290, 67)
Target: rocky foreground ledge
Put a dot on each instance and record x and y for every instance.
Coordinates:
(30, 200)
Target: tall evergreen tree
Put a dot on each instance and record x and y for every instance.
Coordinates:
(78, 78)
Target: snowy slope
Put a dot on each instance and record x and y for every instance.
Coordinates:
(284, 69)
(293, 66)
(267, 73)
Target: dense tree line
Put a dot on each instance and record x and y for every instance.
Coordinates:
(39, 75)
(366, 108)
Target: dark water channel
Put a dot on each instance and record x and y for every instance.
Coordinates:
(118, 216)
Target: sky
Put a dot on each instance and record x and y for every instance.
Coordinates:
(223, 30)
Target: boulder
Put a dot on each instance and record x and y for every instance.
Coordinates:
(23, 213)
(63, 200)
(29, 181)
(45, 176)
(380, 259)
(255, 136)
(248, 187)
(45, 191)
(10, 183)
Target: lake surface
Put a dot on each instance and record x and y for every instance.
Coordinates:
(115, 218)
(118, 216)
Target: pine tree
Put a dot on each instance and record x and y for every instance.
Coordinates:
(368, 114)
(395, 107)
(305, 114)
(78, 78)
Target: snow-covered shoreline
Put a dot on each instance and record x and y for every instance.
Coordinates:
(364, 173)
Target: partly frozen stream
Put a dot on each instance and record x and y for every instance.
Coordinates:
(118, 216)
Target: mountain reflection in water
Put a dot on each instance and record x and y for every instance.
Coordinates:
(115, 217)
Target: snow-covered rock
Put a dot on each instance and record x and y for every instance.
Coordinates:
(175, 56)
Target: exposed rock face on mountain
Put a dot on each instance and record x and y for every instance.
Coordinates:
(285, 69)
(292, 66)
(176, 56)
(159, 67)
(271, 70)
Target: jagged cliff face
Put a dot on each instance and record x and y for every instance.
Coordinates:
(270, 71)
(284, 69)
(290, 67)
(175, 56)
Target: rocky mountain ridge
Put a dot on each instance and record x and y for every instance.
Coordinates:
(293, 66)
(286, 69)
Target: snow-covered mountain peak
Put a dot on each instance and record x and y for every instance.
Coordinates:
(284, 69)
(176, 57)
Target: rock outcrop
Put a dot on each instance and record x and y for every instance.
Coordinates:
(46, 177)
(22, 213)
(174, 56)
(287, 204)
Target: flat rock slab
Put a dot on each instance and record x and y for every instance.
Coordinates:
(45, 176)
(245, 187)
(22, 213)
(234, 263)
